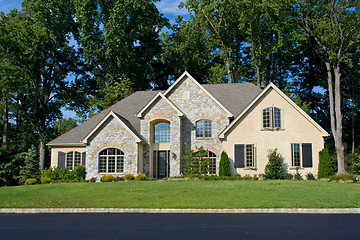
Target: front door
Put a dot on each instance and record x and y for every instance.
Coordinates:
(161, 164)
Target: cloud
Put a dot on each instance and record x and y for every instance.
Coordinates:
(6, 5)
(170, 7)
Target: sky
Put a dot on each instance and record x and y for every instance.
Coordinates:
(168, 7)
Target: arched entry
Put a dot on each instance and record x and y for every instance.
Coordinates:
(160, 148)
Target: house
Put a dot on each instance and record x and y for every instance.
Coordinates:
(149, 131)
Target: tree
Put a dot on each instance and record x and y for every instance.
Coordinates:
(224, 166)
(31, 167)
(335, 27)
(274, 169)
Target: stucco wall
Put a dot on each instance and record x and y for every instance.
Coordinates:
(196, 105)
(56, 150)
(296, 129)
(111, 134)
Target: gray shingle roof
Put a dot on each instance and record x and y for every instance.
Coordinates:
(234, 97)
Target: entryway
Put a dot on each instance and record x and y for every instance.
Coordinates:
(161, 166)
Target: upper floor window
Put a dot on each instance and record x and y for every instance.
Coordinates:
(203, 129)
(111, 160)
(272, 118)
(162, 133)
(73, 159)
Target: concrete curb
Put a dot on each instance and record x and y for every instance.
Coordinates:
(161, 210)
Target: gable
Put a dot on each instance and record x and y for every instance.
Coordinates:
(272, 96)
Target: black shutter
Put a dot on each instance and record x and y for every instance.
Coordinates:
(292, 154)
(83, 158)
(61, 159)
(239, 156)
(307, 154)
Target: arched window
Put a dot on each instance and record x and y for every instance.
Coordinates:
(111, 160)
(272, 118)
(203, 129)
(162, 133)
(73, 159)
(212, 162)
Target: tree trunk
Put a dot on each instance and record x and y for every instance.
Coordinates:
(6, 122)
(335, 115)
(42, 154)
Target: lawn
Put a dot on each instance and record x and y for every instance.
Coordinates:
(184, 194)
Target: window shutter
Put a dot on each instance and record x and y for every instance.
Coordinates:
(307, 154)
(292, 154)
(61, 159)
(83, 158)
(239, 156)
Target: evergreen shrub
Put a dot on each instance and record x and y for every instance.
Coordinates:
(30, 181)
(141, 177)
(108, 178)
(45, 180)
(31, 167)
(310, 176)
(78, 173)
(129, 177)
(327, 164)
(274, 168)
(224, 166)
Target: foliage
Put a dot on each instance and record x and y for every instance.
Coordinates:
(289, 176)
(31, 165)
(93, 179)
(327, 163)
(297, 175)
(310, 176)
(30, 181)
(78, 173)
(141, 177)
(108, 178)
(64, 125)
(45, 180)
(344, 177)
(10, 169)
(129, 177)
(352, 162)
(60, 174)
(274, 168)
(196, 161)
(224, 166)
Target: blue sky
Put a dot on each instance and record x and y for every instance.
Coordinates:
(168, 7)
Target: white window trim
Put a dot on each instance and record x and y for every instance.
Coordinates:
(107, 162)
(293, 158)
(254, 165)
(73, 159)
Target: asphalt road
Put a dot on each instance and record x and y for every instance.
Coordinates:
(178, 226)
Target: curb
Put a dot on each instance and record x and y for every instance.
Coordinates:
(161, 210)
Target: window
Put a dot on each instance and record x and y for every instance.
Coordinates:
(272, 118)
(212, 162)
(111, 160)
(301, 155)
(73, 159)
(203, 129)
(245, 156)
(162, 133)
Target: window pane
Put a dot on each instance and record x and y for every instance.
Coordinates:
(162, 133)
(207, 128)
(296, 155)
(212, 163)
(102, 164)
(249, 156)
(266, 118)
(119, 163)
(111, 151)
(200, 128)
(111, 164)
(69, 160)
(103, 152)
(277, 118)
(77, 159)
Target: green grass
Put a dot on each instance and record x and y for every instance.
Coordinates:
(184, 194)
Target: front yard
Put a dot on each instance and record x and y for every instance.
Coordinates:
(184, 194)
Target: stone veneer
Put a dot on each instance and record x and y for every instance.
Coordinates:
(111, 134)
(161, 110)
(196, 105)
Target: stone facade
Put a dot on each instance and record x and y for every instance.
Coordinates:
(111, 134)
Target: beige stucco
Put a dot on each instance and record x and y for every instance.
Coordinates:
(296, 128)
(55, 150)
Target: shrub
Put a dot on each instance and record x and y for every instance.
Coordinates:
(30, 181)
(78, 172)
(274, 168)
(129, 177)
(224, 166)
(118, 179)
(108, 178)
(196, 161)
(141, 177)
(45, 180)
(352, 162)
(47, 173)
(327, 164)
(310, 176)
(62, 174)
(93, 179)
(297, 175)
(288, 176)
(31, 167)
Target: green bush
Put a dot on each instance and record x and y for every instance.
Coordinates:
(297, 175)
(93, 179)
(327, 164)
(30, 181)
(352, 162)
(62, 174)
(108, 178)
(31, 168)
(78, 172)
(224, 166)
(129, 177)
(196, 161)
(288, 176)
(45, 180)
(141, 177)
(310, 176)
(48, 173)
(274, 168)
(344, 177)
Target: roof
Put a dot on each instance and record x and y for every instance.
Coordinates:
(233, 98)
(268, 87)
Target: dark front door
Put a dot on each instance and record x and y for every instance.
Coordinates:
(161, 164)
